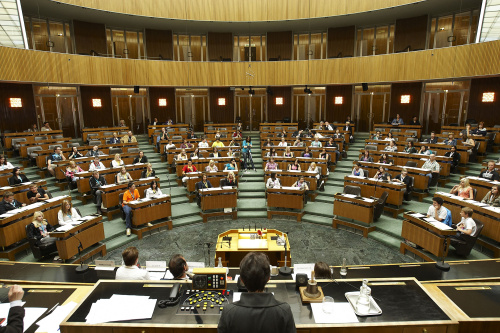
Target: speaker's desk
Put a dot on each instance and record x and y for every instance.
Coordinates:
(89, 232)
(234, 244)
(370, 187)
(288, 178)
(157, 210)
(218, 198)
(213, 177)
(351, 207)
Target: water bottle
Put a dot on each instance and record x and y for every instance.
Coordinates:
(219, 265)
(363, 303)
(343, 270)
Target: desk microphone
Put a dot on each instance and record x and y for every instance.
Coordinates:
(82, 268)
(285, 270)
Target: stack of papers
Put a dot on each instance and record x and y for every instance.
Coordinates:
(417, 215)
(342, 313)
(303, 269)
(31, 314)
(121, 308)
(50, 324)
(349, 195)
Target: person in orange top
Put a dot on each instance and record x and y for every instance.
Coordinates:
(130, 195)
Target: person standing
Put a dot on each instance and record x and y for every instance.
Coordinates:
(130, 195)
(96, 182)
(247, 154)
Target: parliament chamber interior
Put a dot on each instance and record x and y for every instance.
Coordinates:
(354, 143)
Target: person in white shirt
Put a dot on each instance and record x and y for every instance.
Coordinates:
(169, 145)
(436, 210)
(4, 164)
(117, 162)
(467, 225)
(391, 147)
(357, 171)
(433, 165)
(203, 143)
(273, 182)
(131, 270)
(96, 165)
(153, 190)
(283, 143)
(328, 126)
(67, 213)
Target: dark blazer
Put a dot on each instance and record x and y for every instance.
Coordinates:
(96, 183)
(199, 185)
(456, 157)
(15, 321)
(15, 181)
(143, 173)
(490, 176)
(225, 182)
(429, 140)
(406, 181)
(33, 232)
(5, 206)
(144, 159)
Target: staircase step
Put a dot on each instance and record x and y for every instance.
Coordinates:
(251, 204)
(177, 222)
(252, 214)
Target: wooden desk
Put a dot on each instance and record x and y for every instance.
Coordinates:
(5, 174)
(155, 211)
(205, 152)
(457, 129)
(89, 232)
(231, 126)
(304, 162)
(271, 127)
(426, 235)
(30, 136)
(404, 128)
(23, 149)
(101, 130)
(84, 163)
(176, 127)
(288, 178)
(135, 171)
(482, 185)
(297, 150)
(195, 143)
(421, 182)
(368, 189)
(111, 192)
(490, 216)
(202, 163)
(359, 209)
(13, 227)
(213, 177)
(218, 198)
(231, 255)
(20, 191)
(285, 197)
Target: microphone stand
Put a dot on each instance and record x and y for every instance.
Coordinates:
(285, 270)
(82, 268)
(443, 265)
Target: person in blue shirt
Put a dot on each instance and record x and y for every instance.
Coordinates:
(231, 165)
(398, 120)
(247, 154)
(451, 140)
(115, 139)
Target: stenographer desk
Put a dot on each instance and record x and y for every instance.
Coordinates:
(291, 198)
(355, 208)
(288, 178)
(217, 198)
(213, 177)
(90, 233)
(202, 163)
(151, 210)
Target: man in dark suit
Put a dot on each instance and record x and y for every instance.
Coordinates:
(348, 129)
(16, 313)
(415, 121)
(455, 158)
(9, 203)
(204, 183)
(433, 138)
(405, 179)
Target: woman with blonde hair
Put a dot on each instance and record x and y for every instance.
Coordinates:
(123, 176)
(117, 162)
(231, 179)
(39, 229)
(149, 172)
(67, 213)
(287, 152)
(211, 167)
(464, 189)
(71, 169)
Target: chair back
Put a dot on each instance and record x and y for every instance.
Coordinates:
(177, 137)
(115, 150)
(31, 151)
(133, 150)
(94, 142)
(355, 190)
(379, 207)
(109, 133)
(371, 147)
(465, 249)
(52, 147)
(411, 164)
(73, 144)
(57, 136)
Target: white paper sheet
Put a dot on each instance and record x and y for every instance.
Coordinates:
(417, 215)
(31, 315)
(51, 322)
(121, 308)
(441, 226)
(342, 313)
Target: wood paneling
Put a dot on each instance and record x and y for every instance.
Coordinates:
(338, 112)
(220, 46)
(279, 112)
(162, 112)
(159, 44)
(89, 37)
(279, 45)
(410, 32)
(482, 111)
(221, 113)
(95, 117)
(16, 119)
(341, 42)
(237, 10)
(406, 111)
(461, 61)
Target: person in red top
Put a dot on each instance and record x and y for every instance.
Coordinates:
(188, 168)
(130, 195)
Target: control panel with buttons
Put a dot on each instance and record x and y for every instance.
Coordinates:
(204, 302)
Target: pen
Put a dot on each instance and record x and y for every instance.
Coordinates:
(53, 308)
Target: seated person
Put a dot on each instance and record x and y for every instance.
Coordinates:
(67, 213)
(433, 139)
(316, 143)
(464, 189)
(382, 174)
(329, 127)
(287, 152)
(4, 164)
(322, 270)
(96, 182)
(233, 143)
(436, 210)
(204, 183)
(377, 136)
(9, 203)
(217, 135)
(455, 158)
(231, 165)
(256, 311)
(298, 143)
(15, 318)
(403, 178)
(415, 121)
(468, 142)
(55, 157)
(295, 166)
(149, 172)
(188, 168)
(366, 157)
(390, 137)
(230, 152)
(96, 165)
(39, 229)
(217, 143)
(273, 182)
(75, 153)
(384, 159)
(153, 190)
(117, 162)
(492, 198)
(170, 145)
(130, 194)
(283, 143)
(186, 145)
(320, 184)
(480, 130)
(71, 170)
(271, 165)
(195, 154)
(215, 153)
(178, 267)
(301, 183)
(333, 144)
(36, 194)
(467, 226)
(433, 165)
(490, 173)
(410, 149)
(122, 123)
(33, 128)
(307, 153)
(211, 167)
(271, 153)
(130, 269)
(203, 143)
(46, 127)
(357, 171)
(94, 152)
(141, 158)
(451, 140)
(391, 147)
(17, 177)
(338, 135)
(231, 180)
(398, 120)
(114, 140)
(268, 143)
(129, 137)
(123, 176)
(182, 155)
(237, 135)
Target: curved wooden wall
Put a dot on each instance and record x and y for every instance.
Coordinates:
(237, 10)
(461, 61)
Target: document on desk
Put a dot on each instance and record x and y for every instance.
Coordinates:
(121, 308)
(441, 225)
(302, 268)
(349, 195)
(417, 215)
(342, 313)
(30, 314)
(50, 323)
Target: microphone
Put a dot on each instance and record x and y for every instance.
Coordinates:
(285, 270)
(82, 268)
